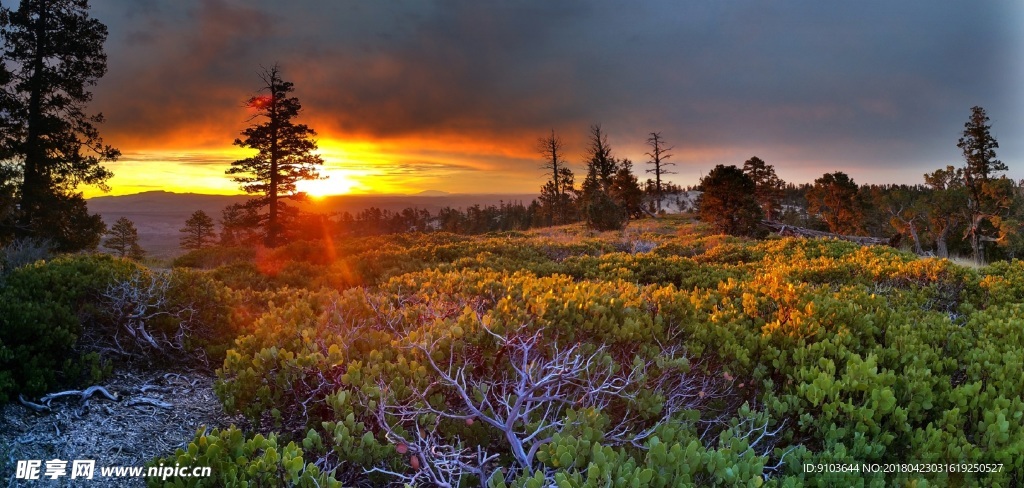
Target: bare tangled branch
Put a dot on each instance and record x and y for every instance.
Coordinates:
(528, 402)
(20, 252)
(761, 440)
(82, 394)
(434, 459)
(134, 305)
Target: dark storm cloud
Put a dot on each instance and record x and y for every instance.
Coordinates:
(176, 73)
(855, 84)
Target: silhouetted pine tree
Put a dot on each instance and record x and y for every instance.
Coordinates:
(198, 232)
(286, 155)
(123, 239)
(767, 186)
(598, 206)
(56, 51)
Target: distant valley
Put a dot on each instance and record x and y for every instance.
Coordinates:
(159, 214)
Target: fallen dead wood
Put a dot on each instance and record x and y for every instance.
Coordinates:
(149, 401)
(35, 407)
(82, 394)
(112, 433)
(159, 389)
(794, 231)
(45, 407)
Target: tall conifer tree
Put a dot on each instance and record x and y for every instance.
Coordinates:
(123, 240)
(598, 206)
(990, 196)
(53, 53)
(767, 186)
(286, 155)
(727, 201)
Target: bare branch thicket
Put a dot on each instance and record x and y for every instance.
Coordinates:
(761, 441)
(134, 304)
(433, 458)
(527, 403)
(21, 252)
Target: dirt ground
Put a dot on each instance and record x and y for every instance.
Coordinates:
(113, 433)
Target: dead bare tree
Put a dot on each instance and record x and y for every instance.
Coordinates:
(794, 231)
(558, 193)
(659, 154)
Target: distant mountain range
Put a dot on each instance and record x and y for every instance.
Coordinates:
(159, 215)
(432, 193)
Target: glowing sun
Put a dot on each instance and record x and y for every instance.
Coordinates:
(335, 184)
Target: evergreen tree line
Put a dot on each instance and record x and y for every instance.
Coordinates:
(237, 229)
(974, 209)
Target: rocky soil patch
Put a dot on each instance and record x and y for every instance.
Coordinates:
(152, 414)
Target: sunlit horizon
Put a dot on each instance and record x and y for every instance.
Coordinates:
(413, 165)
(351, 167)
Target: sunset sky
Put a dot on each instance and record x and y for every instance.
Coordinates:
(414, 95)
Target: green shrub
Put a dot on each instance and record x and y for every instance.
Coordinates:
(42, 310)
(815, 351)
(239, 461)
(242, 275)
(209, 312)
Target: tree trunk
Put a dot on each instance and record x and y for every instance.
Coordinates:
(33, 184)
(941, 249)
(917, 240)
(272, 218)
(976, 244)
(657, 185)
(271, 240)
